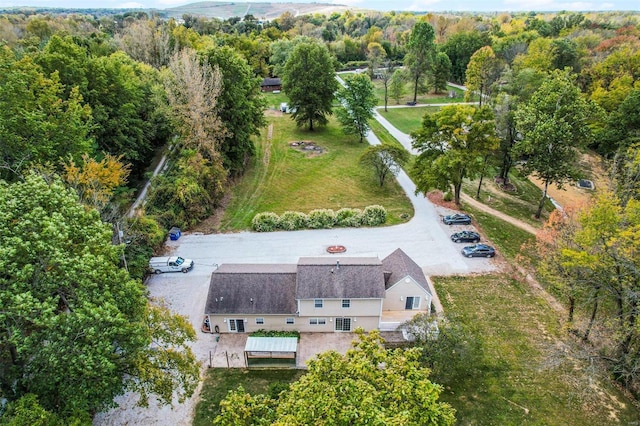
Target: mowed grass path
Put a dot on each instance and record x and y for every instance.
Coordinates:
(282, 178)
(530, 373)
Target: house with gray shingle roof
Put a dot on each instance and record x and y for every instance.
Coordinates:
(323, 294)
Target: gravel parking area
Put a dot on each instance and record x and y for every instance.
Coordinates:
(424, 238)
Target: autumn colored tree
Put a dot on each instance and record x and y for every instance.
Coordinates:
(193, 89)
(95, 181)
(482, 71)
(592, 255)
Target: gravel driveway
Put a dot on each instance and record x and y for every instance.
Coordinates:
(424, 238)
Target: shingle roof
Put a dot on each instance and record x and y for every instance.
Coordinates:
(339, 278)
(271, 81)
(252, 289)
(400, 265)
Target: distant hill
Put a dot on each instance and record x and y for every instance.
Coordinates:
(267, 11)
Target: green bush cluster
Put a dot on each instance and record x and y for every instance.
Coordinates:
(275, 333)
(320, 219)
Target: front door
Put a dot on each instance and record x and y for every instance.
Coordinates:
(236, 326)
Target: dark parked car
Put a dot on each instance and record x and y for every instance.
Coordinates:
(457, 219)
(479, 250)
(465, 237)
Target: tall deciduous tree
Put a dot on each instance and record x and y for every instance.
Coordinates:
(420, 56)
(441, 72)
(241, 107)
(39, 122)
(459, 47)
(554, 125)
(193, 89)
(358, 100)
(482, 71)
(452, 144)
(385, 160)
(592, 255)
(375, 56)
(76, 329)
(368, 385)
(385, 75)
(397, 85)
(309, 81)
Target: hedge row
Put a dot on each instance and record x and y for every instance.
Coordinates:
(320, 219)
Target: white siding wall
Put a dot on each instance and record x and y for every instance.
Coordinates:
(333, 308)
(397, 294)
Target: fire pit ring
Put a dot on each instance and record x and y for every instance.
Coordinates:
(336, 249)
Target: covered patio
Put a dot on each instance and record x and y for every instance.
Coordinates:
(271, 352)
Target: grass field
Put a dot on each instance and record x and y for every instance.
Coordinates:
(529, 373)
(407, 119)
(282, 178)
(423, 98)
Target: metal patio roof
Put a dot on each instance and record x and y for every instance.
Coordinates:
(271, 344)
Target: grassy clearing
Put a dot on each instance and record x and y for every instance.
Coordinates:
(275, 99)
(218, 382)
(423, 98)
(282, 178)
(520, 204)
(407, 119)
(528, 373)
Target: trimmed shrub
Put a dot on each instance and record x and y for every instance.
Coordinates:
(265, 222)
(347, 217)
(374, 215)
(290, 221)
(448, 196)
(322, 219)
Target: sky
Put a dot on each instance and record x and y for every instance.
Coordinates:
(383, 5)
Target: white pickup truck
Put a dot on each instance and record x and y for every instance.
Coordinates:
(159, 265)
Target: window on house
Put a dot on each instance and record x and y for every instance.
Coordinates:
(259, 320)
(290, 320)
(317, 303)
(343, 324)
(317, 321)
(346, 303)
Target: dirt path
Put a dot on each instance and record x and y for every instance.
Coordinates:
(483, 207)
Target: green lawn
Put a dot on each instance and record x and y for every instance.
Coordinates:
(423, 98)
(275, 99)
(218, 382)
(530, 373)
(282, 178)
(407, 119)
